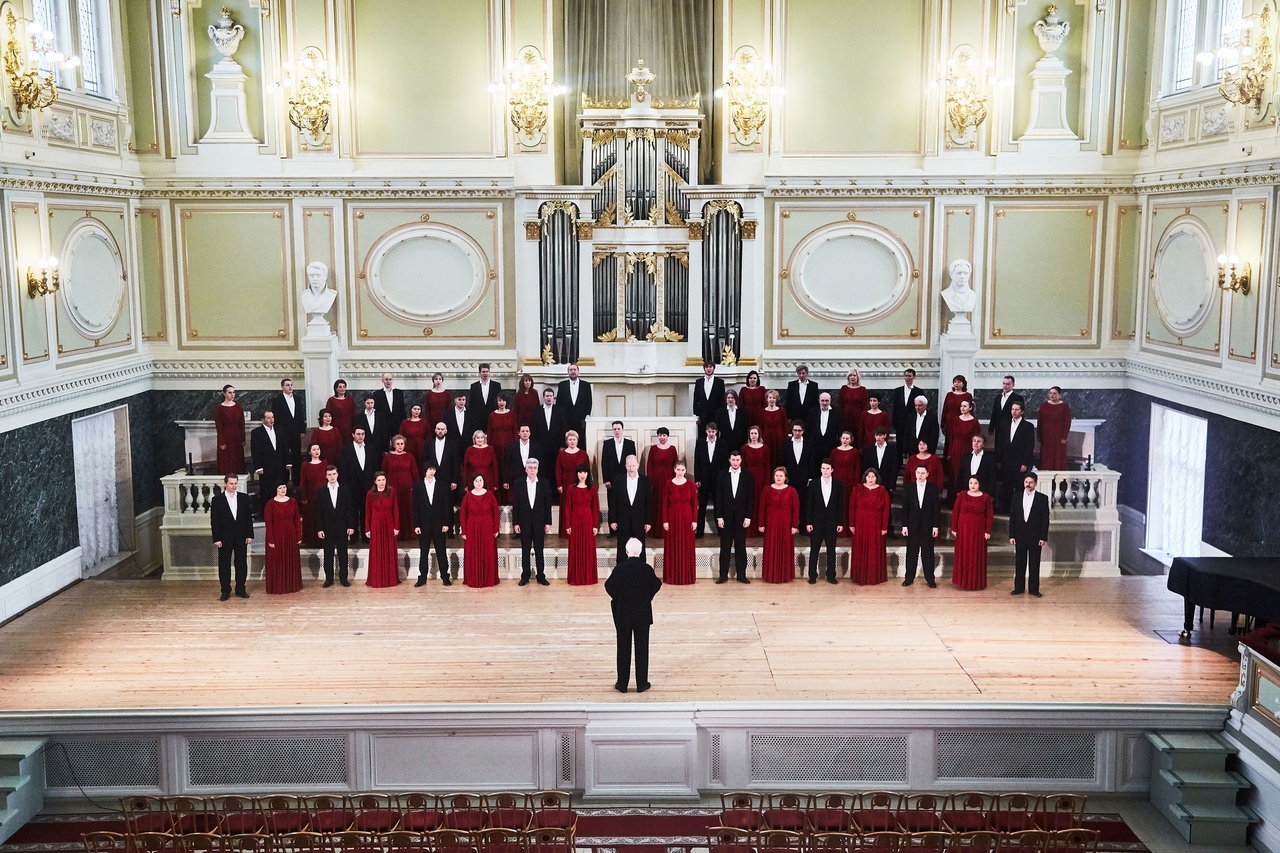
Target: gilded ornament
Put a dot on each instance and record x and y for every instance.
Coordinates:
(695, 230)
(533, 230)
(748, 229)
(548, 357)
(728, 357)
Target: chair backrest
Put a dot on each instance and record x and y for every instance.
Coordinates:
(299, 842)
(230, 803)
(366, 802)
(509, 800)
(1065, 804)
(779, 839)
(549, 839)
(882, 841)
(923, 802)
(144, 814)
(742, 801)
(402, 841)
(151, 842)
(552, 799)
(1018, 803)
(248, 843)
(930, 840)
(833, 801)
(462, 801)
(719, 835)
(878, 800)
(102, 842)
(502, 840)
(970, 801)
(1073, 841)
(976, 841)
(833, 842)
(418, 801)
(200, 842)
(1025, 841)
(451, 841)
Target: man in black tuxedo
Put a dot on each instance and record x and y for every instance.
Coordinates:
(613, 455)
(231, 521)
(631, 587)
(824, 426)
(356, 469)
(710, 457)
(270, 456)
(460, 422)
(883, 458)
(531, 520)
(902, 411)
(708, 396)
(291, 424)
(796, 454)
(575, 400)
(1001, 411)
(390, 404)
(735, 496)
(978, 463)
(920, 524)
(731, 422)
(827, 516)
(444, 453)
(519, 452)
(802, 395)
(432, 518)
(483, 396)
(1028, 531)
(335, 522)
(920, 426)
(1017, 454)
(629, 502)
(376, 425)
(547, 428)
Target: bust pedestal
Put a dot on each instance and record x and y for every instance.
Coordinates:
(319, 348)
(229, 118)
(958, 348)
(1049, 106)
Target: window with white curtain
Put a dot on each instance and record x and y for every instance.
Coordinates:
(1175, 499)
(1185, 38)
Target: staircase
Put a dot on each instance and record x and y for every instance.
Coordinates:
(21, 783)
(1192, 788)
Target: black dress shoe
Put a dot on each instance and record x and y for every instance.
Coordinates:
(543, 581)
(1015, 592)
(1037, 595)
(345, 582)
(445, 580)
(240, 593)
(932, 584)
(744, 580)
(226, 596)
(523, 582)
(621, 688)
(813, 580)
(722, 580)
(908, 583)
(326, 584)
(832, 580)
(421, 582)
(643, 687)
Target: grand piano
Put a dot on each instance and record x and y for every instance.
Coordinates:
(1248, 585)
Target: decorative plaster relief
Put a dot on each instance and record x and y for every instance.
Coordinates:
(1173, 128)
(60, 126)
(103, 133)
(427, 273)
(93, 280)
(851, 272)
(1214, 121)
(1184, 276)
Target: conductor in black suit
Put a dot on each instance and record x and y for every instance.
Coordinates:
(1028, 531)
(335, 522)
(482, 398)
(1017, 454)
(802, 396)
(390, 404)
(977, 463)
(826, 520)
(376, 426)
(432, 518)
(531, 520)
(291, 423)
(631, 587)
(710, 457)
(920, 524)
(708, 395)
(270, 456)
(629, 502)
(356, 469)
(575, 401)
(735, 496)
(231, 521)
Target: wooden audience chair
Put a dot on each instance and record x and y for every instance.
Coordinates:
(353, 841)
(786, 812)
(246, 843)
(509, 810)
(151, 842)
(742, 810)
(1061, 811)
(374, 812)
(103, 842)
(1014, 812)
(145, 814)
(298, 842)
(929, 842)
(966, 811)
(1025, 841)
(190, 815)
(833, 842)
(328, 813)
(451, 841)
(875, 811)
(405, 841)
(502, 840)
(237, 815)
(200, 842)
(978, 841)
(282, 814)
(780, 841)
(883, 842)
(920, 813)
(554, 810)
(1073, 841)
(550, 839)
(419, 811)
(729, 839)
(830, 813)
(463, 811)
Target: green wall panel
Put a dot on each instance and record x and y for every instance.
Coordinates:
(311, 27)
(152, 288)
(139, 83)
(1250, 221)
(1136, 84)
(33, 328)
(527, 25)
(1127, 270)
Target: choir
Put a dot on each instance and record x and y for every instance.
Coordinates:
(378, 472)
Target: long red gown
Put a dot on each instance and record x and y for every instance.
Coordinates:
(381, 517)
(284, 529)
(868, 519)
(526, 402)
(759, 461)
(343, 410)
(415, 435)
(970, 519)
(960, 441)
(933, 464)
(779, 512)
(871, 420)
(435, 404)
(951, 407)
(228, 421)
(752, 401)
(582, 506)
(566, 476)
(1054, 425)
(846, 466)
(309, 481)
(330, 441)
(402, 472)
(479, 521)
(773, 429)
(678, 545)
(852, 401)
(660, 468)
(501, 433)
(483, 461)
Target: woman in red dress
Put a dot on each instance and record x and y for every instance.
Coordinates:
(582, 505)
(752, 398)
(773, 423)
(479, 523)
(846, 464)
(567, 462)
(381, 520)
(927, 460)
(328, 437)
(852, 401)
(680, 518)
(873, 417)
(971, 526)
(951, 403)
(660, 468)
(527, 400)
(1053, 423)
(401, 468)
(963, 427)
(779, 519)
(868, 523)
(757, 458)
(343, 410)
(414, 429)
(501, 432)
(309, 482)
(228, 422)
(435, 403)
(284, 535)
(481, 459)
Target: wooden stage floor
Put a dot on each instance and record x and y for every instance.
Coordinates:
(151, 644)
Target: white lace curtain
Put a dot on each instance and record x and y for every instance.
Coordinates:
(94, 442)
(1177, 482)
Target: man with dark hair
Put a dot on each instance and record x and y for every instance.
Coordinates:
(883, 458)
(1028, 531)
(826, 520)
(731, 421)
(232, 525)
(547, 429)
(631, 587)
(710, 457)
(1001, 411)
(519, 452)
(1017, 454)
(735, 496)
(432, 518)
(482, 398)
(920, 524)
(376, 425)
(270, 457)
(902, 411)
(460, 422)
(613, 456)
(291, 424)
(708, 396)
(390, 404)
(575, 400)
(357, 468)
(802, 395)
(335, 522)
(797, 455)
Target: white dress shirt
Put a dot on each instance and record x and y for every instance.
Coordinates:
(797, 448)
(573, 390)
(732, 413)
(802, 386)
(484, 391)
(369, 416)
(1013, 427)
(431, 489)
(232, 501)
(359, 449)
(920, 421)
(826, 490)
(531, 487)
(391, 396)
(707, 383)
(271, 434)
(1027, 500)
(617, 447)
(333, 495)
(824, 415)
(460, 415)
(975, 462)
(733, 480)
(288, 401)
(920, 492)
(633, 483)
(525, 448)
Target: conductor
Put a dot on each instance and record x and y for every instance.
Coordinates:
(631, 587)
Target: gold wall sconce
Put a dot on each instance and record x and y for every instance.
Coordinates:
(32, 88)
(965, 94)
(529, 90)
(1232, 275)
(749, 89)
(1246, 56)
(44, 282)
(309, 88)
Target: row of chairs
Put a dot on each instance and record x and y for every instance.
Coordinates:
(547, 840)
(725, 839)
(889, 811)
(278, 814)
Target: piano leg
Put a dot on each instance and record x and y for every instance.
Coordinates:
(1188, 614)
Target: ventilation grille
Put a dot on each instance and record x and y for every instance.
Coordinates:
(281, 762)
(566, 759)
(129, 764)
(717, 760)
(1017, 755)
(828, 758)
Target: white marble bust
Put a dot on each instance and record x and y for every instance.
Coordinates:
(317, 296)
(960, 297)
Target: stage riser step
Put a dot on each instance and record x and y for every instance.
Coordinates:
(1192, 788)
(21, 783)
(1190, 751)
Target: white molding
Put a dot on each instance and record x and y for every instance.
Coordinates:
(146, 538)
(39, 583)
(72, 390)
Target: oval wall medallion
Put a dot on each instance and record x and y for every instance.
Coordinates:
(427, 273)
(850, 272)
(92, 283)
(1185, 281)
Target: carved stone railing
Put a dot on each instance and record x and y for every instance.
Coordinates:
(187, 498)
(1094, 489)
